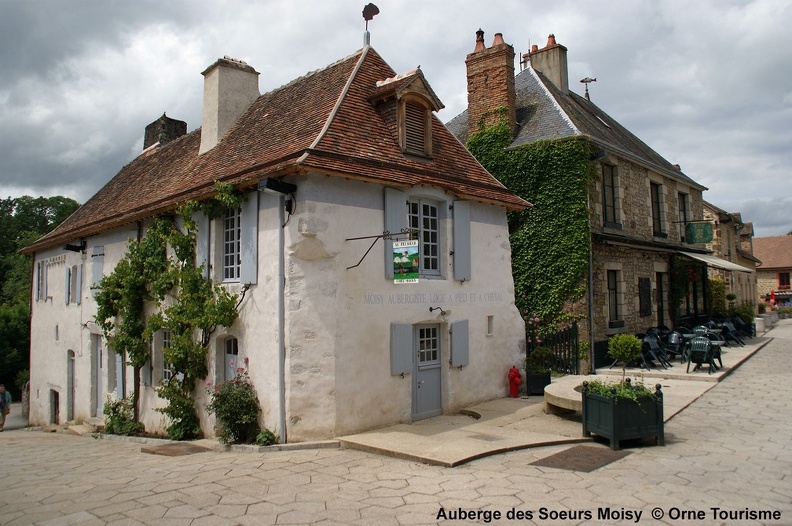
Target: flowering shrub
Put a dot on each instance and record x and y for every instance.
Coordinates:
(119, 417)
(237, 409)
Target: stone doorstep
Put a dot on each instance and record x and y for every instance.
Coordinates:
(95, 423)
(80, 429)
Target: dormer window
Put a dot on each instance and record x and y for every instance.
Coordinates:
(415, 127)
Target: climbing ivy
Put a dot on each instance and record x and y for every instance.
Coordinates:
(550, 241)
(157, 285)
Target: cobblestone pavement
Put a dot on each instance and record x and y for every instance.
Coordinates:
(731, 449)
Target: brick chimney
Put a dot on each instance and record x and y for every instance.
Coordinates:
(163, 130)
(490, 82)
(551, 60)
(230, 87)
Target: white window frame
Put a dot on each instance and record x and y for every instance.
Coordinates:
(231, 239)
(657, 216)
(424, 225)
(167, 367)
(230, 348)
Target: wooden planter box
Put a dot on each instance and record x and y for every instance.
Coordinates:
(536, 382)
(623, 419)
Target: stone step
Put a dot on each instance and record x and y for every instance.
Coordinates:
(80, 429)
(95, 423)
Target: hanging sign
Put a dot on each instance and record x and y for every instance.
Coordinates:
(698, 233)
(405, 261)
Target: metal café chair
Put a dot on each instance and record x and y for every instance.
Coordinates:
(652, 351)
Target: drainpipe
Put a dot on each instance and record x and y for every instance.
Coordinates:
(281, 320)
(591, 295)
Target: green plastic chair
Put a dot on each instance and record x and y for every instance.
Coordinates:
(700, 353)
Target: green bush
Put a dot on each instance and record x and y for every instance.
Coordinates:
(622, 390)
(746, 311)
(266, 438)
(237, 409)
(119, 417)
(184, 423)
(718, 296)
(540, 360)
(624, 348)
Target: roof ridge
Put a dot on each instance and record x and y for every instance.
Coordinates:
(316, 71)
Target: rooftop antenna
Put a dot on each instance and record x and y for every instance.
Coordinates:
(587, 81)
(369, 11)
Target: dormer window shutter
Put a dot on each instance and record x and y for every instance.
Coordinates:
(415, 128)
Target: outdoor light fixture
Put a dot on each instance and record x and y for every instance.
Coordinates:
(442, 312)
(276, 186)
(76, 248)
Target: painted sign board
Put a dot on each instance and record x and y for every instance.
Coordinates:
(405, 261)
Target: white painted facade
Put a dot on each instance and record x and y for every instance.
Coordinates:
(338, 321)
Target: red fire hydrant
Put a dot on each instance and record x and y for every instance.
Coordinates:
(515, 379)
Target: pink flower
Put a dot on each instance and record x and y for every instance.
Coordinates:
(246, 360)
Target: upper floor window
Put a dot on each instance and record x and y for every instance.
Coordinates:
(41, 281)
(609, 195)
(658, 225)
(423, 219)
(232, 233)
(416, 131)
(683, 201)
(783, 280)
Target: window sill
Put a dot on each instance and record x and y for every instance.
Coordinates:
(661, 235)
(612, 226)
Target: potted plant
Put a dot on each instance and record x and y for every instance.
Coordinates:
(623, 410)
(538, 365)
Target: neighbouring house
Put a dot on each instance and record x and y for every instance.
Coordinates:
(619, 224)
(337, 166)
(732, 241)
(773, 273)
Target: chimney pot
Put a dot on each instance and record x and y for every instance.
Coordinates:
(479, 41)
(551, 40)
(163, 130)
(498, 39)
(534, 48)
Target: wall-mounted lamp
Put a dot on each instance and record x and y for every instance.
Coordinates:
(442, 312)
(276, 186)
(76, 248)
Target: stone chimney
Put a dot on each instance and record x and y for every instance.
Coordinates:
(551, 60)
(230, 87)
(490, 83)
(163, 130)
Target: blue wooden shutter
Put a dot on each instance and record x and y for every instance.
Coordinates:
(460, 343)
(68, 283)
(249, 239)
(401, 348)
(202, 242)
(395, 222)
(78, 293)
(38, 281)
(462, 256)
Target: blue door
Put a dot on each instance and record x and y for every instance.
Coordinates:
(427, 401)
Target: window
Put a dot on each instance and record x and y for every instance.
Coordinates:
(167, 366)
(423, 220)
(644, 297)
(783, 280)
(428, 345)
(416, 130)
(231, 356)
(683, 201)
(41, 281)
(609, 203)
(232, 233)
(614, 299)
(658, 229)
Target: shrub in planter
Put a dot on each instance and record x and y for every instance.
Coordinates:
(538, 365)
(622, 411)
(624, 348)
(237, 409)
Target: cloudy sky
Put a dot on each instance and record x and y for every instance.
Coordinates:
(706, 83)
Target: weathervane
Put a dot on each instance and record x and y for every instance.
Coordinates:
(586, 81)
(369, 11)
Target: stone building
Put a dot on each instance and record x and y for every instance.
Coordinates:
(774, 271)
(732, 241)
(643, 272)
(336, 166)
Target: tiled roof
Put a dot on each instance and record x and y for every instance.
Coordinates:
(322, 121)
(545, 112)
(774, 252)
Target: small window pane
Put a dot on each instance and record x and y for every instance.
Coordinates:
(232, 234)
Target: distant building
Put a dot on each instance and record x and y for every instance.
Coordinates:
(773, 273)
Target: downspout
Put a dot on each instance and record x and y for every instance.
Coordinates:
(591, 297)
(281, 321)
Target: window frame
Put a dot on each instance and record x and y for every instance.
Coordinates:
(167, 367)
(783, 280)
(231, 248)
(416, 222)
(656, 198)
(610, 187)
(615, 309)
(233, 342)
(683, 202)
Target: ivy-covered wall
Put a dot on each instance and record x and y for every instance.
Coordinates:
(550, 241)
